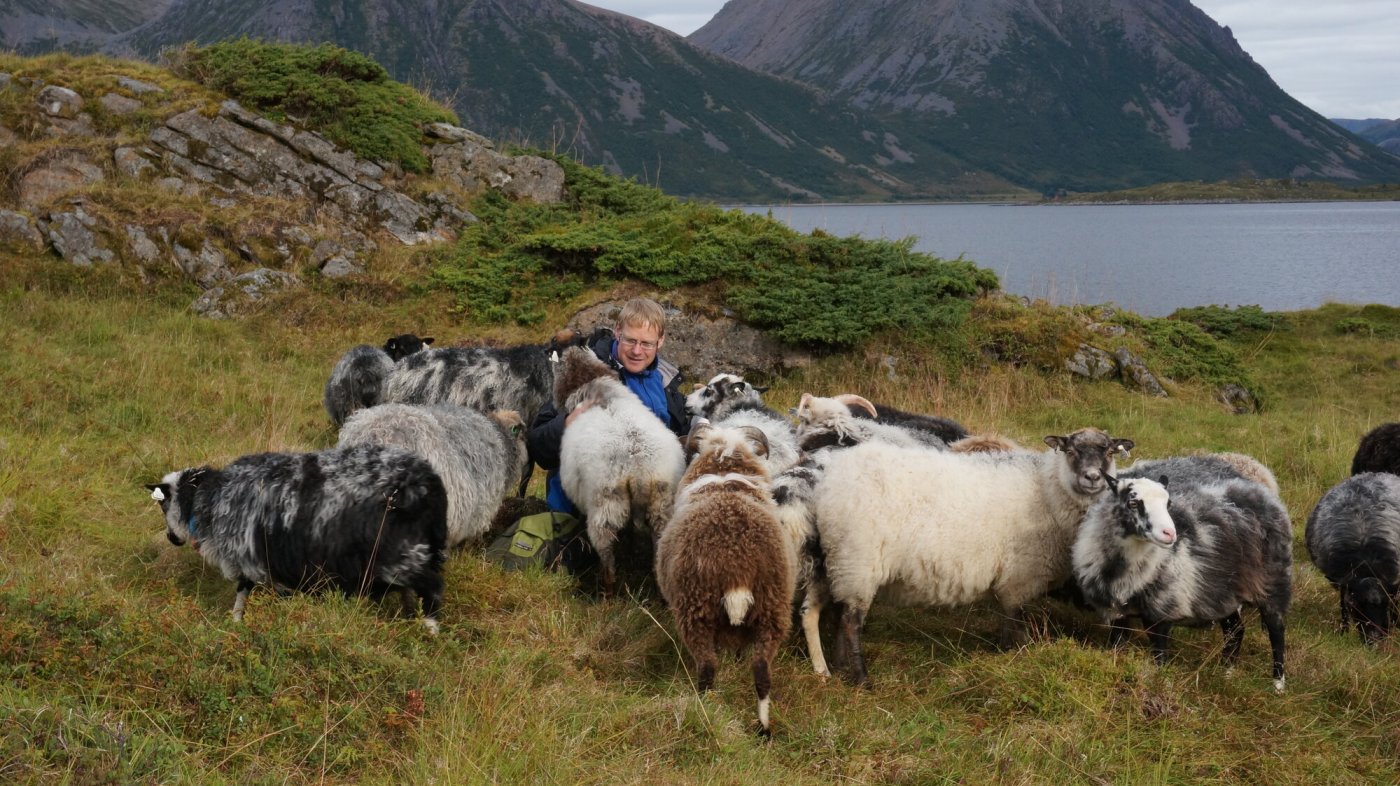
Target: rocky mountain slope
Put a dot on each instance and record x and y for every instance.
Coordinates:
(1383, 133)
(607, 88)
(1080, 94)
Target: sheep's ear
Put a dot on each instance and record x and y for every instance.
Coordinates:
(160, 492)
(1057, 443)
(1163, 481)
(736, 388)
(698, 387)
(1123, 446)
(1112, 483)
(427, 340)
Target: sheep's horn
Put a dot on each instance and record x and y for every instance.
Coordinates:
(803, 404)
(851, 399)
(759, 439)
(698, 428)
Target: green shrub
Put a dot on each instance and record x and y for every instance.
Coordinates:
(1181, 350)
(1360, 326)
(1224, 321)
(342, 94)
(813, 289)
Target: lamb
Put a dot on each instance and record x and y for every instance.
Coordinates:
(1353, 537)
(357, 379)
(728, 401)
(1220, 546)
(362, 519)
(1205, 468)
(480, 458)
(618, 462)
(722, 563)
(924, 526)
(481, 378)
(1378, 451)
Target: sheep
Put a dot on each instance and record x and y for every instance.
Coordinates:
(984, 443)
(923, 526)
(728, 401)
(1353, 537)
(1219, 546)
(829, 422)
(1204, 468)
(480, 458)
(1378, 451)
(617, 461)
(482, 378)
(357, 379)
(362, 519)
(723, 564)
(941, 429)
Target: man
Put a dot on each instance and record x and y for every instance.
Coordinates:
(632, 350)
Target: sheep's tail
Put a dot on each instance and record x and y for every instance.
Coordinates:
(737, 603)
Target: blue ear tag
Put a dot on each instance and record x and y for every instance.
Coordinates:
(189, 525)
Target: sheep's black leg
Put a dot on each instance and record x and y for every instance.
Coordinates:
(429, 589)
(1233, 628)
(1273, 623)
(765, 646)
(1013, 628)
(852, 620)
(1159, 635)
(525, 478)
(1346, 608)
(240, 600)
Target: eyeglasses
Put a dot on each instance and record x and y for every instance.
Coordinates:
(632, 343)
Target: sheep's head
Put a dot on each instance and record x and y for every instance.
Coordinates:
(562, 340)
(577, 367)
(1371, 607)
(720, 393)
(1089, 457)
(400, 347)
(822, 422)
(175, 495)
(1142, 507)
(725, 451)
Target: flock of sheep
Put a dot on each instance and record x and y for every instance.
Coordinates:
(841, 503)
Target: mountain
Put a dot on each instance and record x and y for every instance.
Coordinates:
(1078, 94)
(607, 88)
(1385, 134)
(35, 26)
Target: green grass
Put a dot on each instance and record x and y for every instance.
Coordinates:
(120, 663)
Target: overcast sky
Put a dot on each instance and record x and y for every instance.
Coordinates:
(1340, 57)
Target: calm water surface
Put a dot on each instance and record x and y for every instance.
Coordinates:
(1151, 259)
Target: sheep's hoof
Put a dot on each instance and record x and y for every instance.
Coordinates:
(1280, 684)
(431, 624)
(765, 733)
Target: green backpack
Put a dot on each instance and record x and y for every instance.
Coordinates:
(548, 539)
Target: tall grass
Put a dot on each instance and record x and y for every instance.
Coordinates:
(120, 663)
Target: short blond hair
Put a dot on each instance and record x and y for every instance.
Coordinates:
(642, 312)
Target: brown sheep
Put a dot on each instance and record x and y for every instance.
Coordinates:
(723, 564)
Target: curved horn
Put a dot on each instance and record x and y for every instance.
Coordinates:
(851, 399)
(698, 429)
(758, 438)
(803, 405)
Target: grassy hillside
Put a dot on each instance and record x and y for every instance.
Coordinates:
(120, 662)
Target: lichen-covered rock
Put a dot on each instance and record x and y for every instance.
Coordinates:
(72, 236)
(474, 167)
(1238, 399)
(703, 345)
(1092, 362)
(137, 86)
(118, 105)
(1136, 375)
(60, 102)
(241, 293)
(65, 173)
(18, 233)
(133, 163)
(142, 247)
(207, 266)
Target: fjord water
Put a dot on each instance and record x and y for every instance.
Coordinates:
(1151, 259)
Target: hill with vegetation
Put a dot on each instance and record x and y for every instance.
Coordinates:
(120, 663)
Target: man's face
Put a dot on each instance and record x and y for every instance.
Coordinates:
(637, 346)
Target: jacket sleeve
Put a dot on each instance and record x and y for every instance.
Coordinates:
(545, 435)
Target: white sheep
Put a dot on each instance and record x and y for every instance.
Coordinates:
(728, 401)
(930, 527)
(617, 461)
(480, 458)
